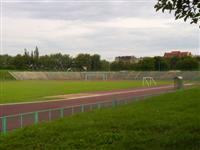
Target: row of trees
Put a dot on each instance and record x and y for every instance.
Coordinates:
(54, 62)
(87, 62)
(159, 64)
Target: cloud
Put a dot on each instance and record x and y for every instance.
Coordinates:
(28, 29)
(108, 28)
(79, 10)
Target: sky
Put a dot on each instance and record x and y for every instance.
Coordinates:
(107, 27)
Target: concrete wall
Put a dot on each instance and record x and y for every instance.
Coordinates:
(130, 75)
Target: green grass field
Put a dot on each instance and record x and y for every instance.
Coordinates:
(24, 91)
(167, 122)
(4, 75)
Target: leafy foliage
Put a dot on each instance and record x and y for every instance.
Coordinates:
(147, 64)
(161, 64)
(186, 9)
(87, 62)
(188, 64)
(53, 62)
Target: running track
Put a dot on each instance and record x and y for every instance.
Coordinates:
(17, 108)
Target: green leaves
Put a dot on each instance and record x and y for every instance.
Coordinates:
(183, 9)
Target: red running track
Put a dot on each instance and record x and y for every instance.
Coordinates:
(95, 97)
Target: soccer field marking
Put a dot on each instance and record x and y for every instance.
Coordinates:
(94, 95)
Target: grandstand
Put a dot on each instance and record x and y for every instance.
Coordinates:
(26, 75)
(128, 75)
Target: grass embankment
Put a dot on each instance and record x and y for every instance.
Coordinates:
(5, 75)
(24, 91)
(166, 122)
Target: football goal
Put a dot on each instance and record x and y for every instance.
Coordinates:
(149, 81)
(96, 76)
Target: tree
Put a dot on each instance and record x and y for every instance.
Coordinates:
(6, 62)
(146, 64)
(105, 65)
(57, 62)
(116, 66)
(161, 64)
(96, 62)
(122, 66)
(36, 53)
(186, 9)
(36, 58)
(83, 61)
(188, 63)
(19, 62)
(27, 59)
(173, 62)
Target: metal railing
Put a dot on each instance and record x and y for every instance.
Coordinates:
(12, 122)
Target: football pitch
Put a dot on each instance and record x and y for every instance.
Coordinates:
(28, 91)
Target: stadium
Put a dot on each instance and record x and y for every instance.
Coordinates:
(45, 96)
(99, 75)
(29, 100)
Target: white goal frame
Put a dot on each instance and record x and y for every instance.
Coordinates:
(149, 81)
(90, 75)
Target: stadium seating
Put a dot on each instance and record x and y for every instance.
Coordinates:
(123, 75)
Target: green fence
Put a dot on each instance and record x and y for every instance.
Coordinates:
(12, 122)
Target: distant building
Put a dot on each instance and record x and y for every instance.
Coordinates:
(177, 54)
(127, 59)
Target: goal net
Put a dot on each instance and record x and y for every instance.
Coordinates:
(95, 76)
(149, 81)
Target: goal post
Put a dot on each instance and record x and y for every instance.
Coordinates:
(149, 81)
(96, 76)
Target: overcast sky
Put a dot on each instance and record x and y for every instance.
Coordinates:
(107, 27)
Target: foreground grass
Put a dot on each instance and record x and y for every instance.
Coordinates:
(166, 122)
(24, 91)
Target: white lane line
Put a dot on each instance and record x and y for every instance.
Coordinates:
(92, 95)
